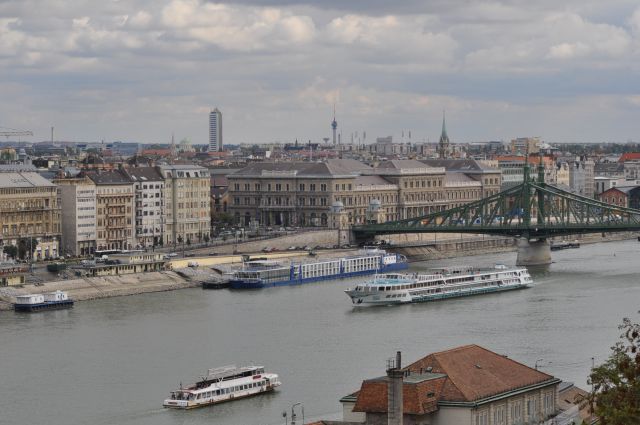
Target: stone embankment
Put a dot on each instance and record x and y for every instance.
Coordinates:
(101, 287)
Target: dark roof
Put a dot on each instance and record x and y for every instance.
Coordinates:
(398, 164)
(302, 169)
(109, 177)
(459, 165)
(144, 174)
(608, 167)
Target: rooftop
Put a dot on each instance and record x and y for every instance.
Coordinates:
(23, 180)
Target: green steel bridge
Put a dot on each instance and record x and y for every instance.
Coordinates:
(531, 210)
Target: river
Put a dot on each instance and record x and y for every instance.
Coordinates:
(113, 361)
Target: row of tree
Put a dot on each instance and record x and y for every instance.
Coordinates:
(24, 249)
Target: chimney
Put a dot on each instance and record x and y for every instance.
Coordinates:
(394, 391)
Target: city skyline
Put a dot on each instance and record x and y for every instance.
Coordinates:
(139, 71)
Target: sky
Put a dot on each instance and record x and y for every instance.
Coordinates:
(142, 70)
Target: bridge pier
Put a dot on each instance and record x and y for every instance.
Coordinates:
(533, 253)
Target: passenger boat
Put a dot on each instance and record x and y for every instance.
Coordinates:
(438, 285)
(266, 273)
(564, 245)
(39, 302)
(223, 384)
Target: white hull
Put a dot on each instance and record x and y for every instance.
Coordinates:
(406, 288)
(221, 385)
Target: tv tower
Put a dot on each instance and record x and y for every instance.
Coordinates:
(334, 124)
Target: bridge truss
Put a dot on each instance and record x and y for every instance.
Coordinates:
(532, 210)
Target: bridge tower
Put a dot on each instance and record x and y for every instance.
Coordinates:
(533, 252)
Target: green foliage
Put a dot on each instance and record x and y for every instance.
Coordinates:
(26, 247)
(616, 383)
(10, 250)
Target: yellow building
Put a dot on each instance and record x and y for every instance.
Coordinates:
(29, 209)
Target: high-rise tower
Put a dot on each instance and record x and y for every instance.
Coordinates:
(334, 124)
(215, 130)
(443, 144)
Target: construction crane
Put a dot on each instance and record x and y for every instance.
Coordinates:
(12, 132)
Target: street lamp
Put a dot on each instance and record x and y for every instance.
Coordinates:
(293, 413)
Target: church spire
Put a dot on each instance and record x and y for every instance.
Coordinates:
(443, 144)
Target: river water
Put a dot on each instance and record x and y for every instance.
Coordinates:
(113, 361)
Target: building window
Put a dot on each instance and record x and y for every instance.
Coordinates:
(301, 187)
(312, 187)
(236, 186)
(323, 187)
(516, 412)
(482, 418)
(257, 187)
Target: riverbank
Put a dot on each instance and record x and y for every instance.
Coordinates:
(83, 289)
(90, 288)
(453, 247)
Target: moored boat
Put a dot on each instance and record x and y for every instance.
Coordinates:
(438, 285)
(39, 302)
(215, 284)
(223, 384)
(267, 273)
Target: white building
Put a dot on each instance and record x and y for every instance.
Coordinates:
(78, 199)
(581, 177)
(215, 131)
(149, 205)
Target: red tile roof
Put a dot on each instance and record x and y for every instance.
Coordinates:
(418, 398)
(474, 373)
(465, 374)
(629, 156)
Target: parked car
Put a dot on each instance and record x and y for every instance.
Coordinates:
(192, 264)
(172, 254)
(213, 254)
(292, 248)
(267, 249)
(189, 255)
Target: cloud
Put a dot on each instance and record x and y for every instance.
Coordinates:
(239, 29)
(280, 65)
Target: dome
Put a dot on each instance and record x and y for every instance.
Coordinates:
(337, 206)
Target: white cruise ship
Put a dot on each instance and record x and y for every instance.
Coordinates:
(438, 285)
(223, 384)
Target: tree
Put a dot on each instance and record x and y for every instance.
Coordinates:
(26, 246)
(616, 383)
(10, 250)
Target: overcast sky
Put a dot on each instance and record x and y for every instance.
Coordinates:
(138, 70)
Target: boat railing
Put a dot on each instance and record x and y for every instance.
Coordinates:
(223, 370)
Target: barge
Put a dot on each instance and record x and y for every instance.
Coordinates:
(40, 302)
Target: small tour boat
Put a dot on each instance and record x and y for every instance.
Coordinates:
(223, 384)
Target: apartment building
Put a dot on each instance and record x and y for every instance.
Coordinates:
(187, 203)
(149, 205)
(115, 206)
(78, 205)
(581, 177)
(29, 209)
